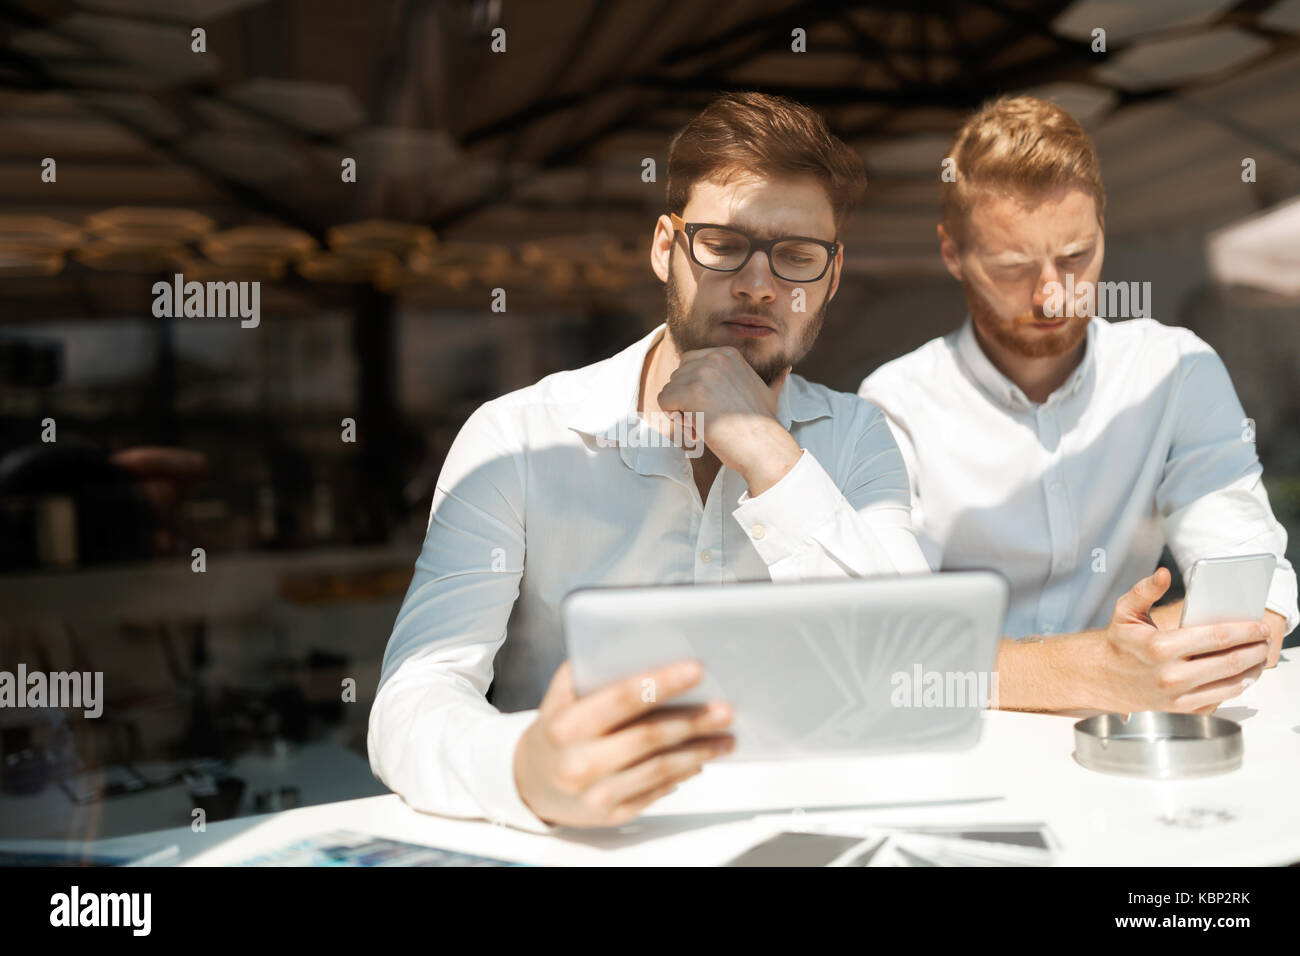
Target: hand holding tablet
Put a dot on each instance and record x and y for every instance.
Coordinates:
(602, 759)
(813, 669)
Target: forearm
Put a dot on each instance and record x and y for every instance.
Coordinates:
(773, 459)
(1069, 672)
(1055, 673)
(804, 527)
(444, 749)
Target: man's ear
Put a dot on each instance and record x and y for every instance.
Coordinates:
(950, 253)
(661, 247)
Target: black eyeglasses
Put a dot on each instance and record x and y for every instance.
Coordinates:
(724, 249)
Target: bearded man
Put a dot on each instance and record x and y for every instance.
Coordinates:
(1066, 451)
(694, 455)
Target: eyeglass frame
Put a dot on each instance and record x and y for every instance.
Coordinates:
(689, 229)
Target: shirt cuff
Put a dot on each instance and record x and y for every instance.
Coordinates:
(1282, 598)
(780, 522)
(495, 739)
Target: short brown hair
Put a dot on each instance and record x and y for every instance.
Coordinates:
(765, 135)
(1017, 144)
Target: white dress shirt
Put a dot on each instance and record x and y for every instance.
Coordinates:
(562, 485)
(1074, 498)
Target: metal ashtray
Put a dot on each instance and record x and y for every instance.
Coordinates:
(1154, 744)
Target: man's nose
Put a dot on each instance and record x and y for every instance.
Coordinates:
(756, 279)
(1047, 275)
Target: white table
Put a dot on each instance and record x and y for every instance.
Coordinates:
(1022, 770)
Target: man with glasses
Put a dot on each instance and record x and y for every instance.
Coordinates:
(566, 484)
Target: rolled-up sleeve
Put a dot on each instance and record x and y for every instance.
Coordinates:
(807, 526)
(433, 737)
(1211, 495)
(886, 394)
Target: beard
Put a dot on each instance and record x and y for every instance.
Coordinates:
(691, 330)
(1018, 335)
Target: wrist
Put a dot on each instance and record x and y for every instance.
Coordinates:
(520, 778)
(771, 463)
(1096, 671)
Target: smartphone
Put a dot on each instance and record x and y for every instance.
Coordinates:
(1228, 589)
(797, 849)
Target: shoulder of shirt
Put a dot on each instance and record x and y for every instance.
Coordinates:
(889, 382)
(812, 399)
(1133, 336)
(558, 395)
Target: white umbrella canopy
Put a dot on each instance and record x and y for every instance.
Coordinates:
(1262, 251)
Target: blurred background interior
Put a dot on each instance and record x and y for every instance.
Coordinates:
(475, 170)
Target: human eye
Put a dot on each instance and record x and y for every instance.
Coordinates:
(722, 246)
(799, 254)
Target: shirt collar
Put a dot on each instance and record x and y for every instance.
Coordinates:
(1007, 392)
(608, 410)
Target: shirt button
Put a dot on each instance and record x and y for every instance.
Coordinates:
(757, 532)
(706, 555)
(1055, 487)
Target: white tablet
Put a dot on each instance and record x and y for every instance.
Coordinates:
(858, 666)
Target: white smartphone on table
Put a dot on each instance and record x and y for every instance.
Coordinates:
(1220, 590)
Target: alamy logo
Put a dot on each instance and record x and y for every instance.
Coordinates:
(959, 689)
(75, 908)
(660, 430)
(77, 690)
(1105, 300)
(211, 300)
